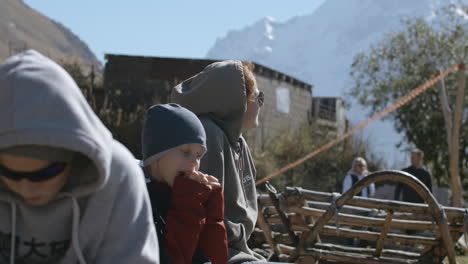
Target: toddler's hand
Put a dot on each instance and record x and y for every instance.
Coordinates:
(205, 179)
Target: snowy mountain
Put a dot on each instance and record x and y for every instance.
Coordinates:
(319, 49)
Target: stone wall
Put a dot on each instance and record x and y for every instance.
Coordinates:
(286, 107)
(329, 113)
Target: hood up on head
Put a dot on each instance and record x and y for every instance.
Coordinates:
(41, 105)
(218, 91)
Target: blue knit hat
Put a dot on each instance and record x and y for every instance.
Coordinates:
(168, 126)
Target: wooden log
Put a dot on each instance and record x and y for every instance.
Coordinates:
(383, 235)
(294, 219)
(270, 210)
(341, 257)
(373, 236)
(284, 258)
(264, 200)
(276, 220)
(278, 228)
(267, 233)
(385, 252)
(367, 211)
(388, 245)
(456, 185)
(368, 235)
(282, 239)
(286, 248)
(365, 221)
(293, 193)
(285, 219)
(325, 205)
(273, 220)
(300, 228)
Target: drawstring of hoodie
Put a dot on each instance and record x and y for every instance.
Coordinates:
(75, 231)
(13, 232)
(239, 149)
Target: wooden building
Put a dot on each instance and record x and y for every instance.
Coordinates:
(146, 80)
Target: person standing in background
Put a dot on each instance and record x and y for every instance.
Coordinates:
(418, 170)
(357, 172)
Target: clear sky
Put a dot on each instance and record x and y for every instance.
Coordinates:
(170, 28)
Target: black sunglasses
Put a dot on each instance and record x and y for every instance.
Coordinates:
(260, 98)
(35, 176)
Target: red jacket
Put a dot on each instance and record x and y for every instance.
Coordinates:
(194, 222)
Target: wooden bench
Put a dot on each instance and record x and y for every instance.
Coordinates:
(306, 226)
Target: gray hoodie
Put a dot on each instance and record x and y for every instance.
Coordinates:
(217, 95)
(103, 214)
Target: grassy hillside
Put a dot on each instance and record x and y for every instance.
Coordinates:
(23, 27)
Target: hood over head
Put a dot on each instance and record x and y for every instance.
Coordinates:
(218, 91)
(41, 105)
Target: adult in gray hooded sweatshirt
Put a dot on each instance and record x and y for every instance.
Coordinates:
(69, 193)
(226, 99)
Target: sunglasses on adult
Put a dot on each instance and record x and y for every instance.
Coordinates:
(260, 98)
(41, 175)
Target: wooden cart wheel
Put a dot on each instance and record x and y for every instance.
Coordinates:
(388, 175)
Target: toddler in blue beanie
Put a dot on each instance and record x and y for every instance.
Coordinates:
(188, 206)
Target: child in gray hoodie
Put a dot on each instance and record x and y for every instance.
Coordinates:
(69, 193)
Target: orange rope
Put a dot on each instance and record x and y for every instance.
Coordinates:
(399, 103)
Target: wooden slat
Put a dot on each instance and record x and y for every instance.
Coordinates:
(385, 253)
(282, 239)
(373, 236)
(400, 247)
(359, 201)
(264, 199)
(286, 248)
(348, 209)
(273, 217)
(285, 219)
(348, 219)
(451, 212)
(383, 235)
(267, 233)
(342, 257)
(300, 228)
(270, 210)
